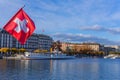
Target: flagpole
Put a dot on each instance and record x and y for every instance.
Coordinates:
(23, 6)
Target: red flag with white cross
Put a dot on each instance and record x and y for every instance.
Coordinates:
(20, 26)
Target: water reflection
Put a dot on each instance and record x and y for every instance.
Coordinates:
(76, 69)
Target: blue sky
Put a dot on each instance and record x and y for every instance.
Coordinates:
(70, 20)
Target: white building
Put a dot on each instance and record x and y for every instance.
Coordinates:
(116, 47)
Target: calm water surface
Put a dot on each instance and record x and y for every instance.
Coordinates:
(74, 69)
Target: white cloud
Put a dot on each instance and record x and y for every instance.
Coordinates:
(82, 38)
(115, 30)
(67, 15)
(94, 27)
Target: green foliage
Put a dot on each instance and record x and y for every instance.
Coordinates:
(118, 53)
(56, 45)
(22, 50)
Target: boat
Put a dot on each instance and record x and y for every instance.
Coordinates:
(55, 53)
(111, 56)
(42, 56)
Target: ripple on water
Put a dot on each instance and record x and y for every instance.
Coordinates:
(73, 69)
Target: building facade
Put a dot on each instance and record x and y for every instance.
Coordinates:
(80, 46)
(111, 48)
(35, 41)
(91, 46)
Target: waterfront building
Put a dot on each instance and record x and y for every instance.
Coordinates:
(79, 46)
(90, 46)
(107, 49)
(35, 41)
(93, 46)
(114, 48)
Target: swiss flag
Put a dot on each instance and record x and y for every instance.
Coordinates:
(20, 26)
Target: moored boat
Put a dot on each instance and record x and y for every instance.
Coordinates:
(112, 56)
(36, 56)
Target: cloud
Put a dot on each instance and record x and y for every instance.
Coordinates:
(63, 14)
(102, 29)
(94, 28)
(67, 15)
(69, 37)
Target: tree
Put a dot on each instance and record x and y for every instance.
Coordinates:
(37, 51)
(56, 46)
(5, 51)
(22, 50)
(14, 50)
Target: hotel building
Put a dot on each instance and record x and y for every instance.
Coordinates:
(35, 41)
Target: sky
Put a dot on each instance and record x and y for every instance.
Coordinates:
(70, 20)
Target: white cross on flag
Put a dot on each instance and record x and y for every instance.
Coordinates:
(20, 26)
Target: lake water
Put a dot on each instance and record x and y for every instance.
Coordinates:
(73, 69)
